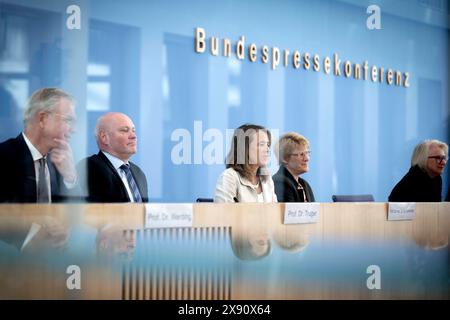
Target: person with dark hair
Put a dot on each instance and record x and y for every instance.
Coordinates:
(246, 178)
(423, 182)
(38, 164)
(250, 237)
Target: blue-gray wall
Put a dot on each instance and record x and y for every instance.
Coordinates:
(138, 57)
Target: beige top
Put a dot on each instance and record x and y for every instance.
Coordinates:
(231, 185)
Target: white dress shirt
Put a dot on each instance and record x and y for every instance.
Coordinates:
(232, 187)
(36, 155)
(116, 162)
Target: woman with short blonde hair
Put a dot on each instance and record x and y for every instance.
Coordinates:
(293, 153)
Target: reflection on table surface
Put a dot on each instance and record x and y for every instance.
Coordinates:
(231, 252)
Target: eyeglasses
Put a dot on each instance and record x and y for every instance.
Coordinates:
(67, 119)
(439, 159)
(301, 154)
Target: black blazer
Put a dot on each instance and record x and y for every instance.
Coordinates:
(19, 176)
(286, 187)
(100, 181)
(417, 186)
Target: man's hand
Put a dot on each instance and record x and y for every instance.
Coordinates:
(62, 158)
(53, 234)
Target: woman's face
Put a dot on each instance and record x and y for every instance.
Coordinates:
(298, 161)
(436, 161)
(259, 243)
(259, 149)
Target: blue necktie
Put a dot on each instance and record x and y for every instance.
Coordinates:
(133, 186)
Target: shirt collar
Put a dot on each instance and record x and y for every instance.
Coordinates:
(116, 162)
(244, 181)
(288, 174)
(34, 152)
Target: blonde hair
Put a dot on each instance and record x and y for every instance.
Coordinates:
(291, 238)
(287, 143)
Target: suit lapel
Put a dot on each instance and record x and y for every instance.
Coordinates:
(109, 165)
(114, 172)
(293, 182)
(25, 163)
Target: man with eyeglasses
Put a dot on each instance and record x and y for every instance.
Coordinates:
(37, 165)
(423, 182)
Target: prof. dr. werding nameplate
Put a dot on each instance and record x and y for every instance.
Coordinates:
(168, 215)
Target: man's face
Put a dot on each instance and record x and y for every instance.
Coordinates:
(116, 243)
(59, 124)
(121, 137)
(436, 162)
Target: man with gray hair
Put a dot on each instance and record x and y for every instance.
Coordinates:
(38, 164)
(423, 182)
(109, 176)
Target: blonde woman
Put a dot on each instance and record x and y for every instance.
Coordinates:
(293, 155)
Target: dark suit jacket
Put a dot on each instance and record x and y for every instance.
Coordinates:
(19, 176)
(101, 182)
(286, 187)
(417, 186)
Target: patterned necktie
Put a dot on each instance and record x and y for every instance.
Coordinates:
(42, 188)
(300, 187)
(133, 186)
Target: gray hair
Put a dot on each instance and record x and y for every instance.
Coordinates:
(421, 151)
(44, 100)
(103, 125)
(98, 126)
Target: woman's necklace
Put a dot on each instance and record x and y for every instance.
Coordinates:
(255, 186)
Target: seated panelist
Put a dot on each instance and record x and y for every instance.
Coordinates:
(423, 182)
(109, 175)
(37, 165)
(246, 178)
(293, 153)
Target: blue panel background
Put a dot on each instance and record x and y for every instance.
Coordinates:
(361, 133)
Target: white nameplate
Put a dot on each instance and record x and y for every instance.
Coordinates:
(307, 212)
(401, 210)
(168, 215)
